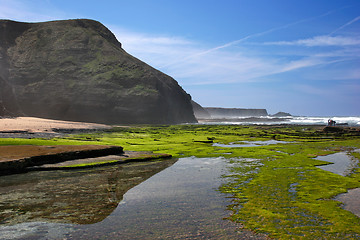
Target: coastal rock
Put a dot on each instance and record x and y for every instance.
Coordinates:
(77, 70)
(235, 112)
(18, 158)
(281, 114)
(199, 111)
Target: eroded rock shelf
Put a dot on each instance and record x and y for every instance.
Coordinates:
(26, 157)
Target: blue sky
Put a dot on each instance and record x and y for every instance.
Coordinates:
(301, 57)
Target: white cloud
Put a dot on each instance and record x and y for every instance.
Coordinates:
(19, 11)
(303, 63)
(140, 38)
(309, 62)
(352, 52)
(320, 41)
(156, 50)
(191, 63)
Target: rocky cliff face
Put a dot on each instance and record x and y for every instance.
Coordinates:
(235, 112)
(8, 102)
(76, 70)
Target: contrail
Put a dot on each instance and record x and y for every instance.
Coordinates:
(257, 35)
(264, 33)
(345, 25)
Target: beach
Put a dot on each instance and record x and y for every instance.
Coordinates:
(36, 125)
(33, 127)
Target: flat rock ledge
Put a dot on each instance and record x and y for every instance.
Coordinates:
(126, 157)
(22, 158)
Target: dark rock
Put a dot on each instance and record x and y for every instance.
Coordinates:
(8, 102)
(235, 112)
(204, 141)
(76, 70)
(13, 164)
(199, 111)
(333, 129)
(281, 114)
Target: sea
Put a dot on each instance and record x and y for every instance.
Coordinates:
(288, 120)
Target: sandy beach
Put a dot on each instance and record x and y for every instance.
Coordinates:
(40, 125)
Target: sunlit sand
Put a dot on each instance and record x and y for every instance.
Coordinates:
(33, 124)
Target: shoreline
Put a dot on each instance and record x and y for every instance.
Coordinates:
(347, 121)
(33, 127)
(23, 158)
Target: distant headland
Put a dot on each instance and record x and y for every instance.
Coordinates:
(202, 113)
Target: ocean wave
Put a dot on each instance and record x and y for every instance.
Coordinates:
(351, 121)
(294, 120)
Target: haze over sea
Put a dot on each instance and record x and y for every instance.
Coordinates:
(292, 120)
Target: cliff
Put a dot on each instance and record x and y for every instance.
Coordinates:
(77, 70)
(235, 112)
(8, 103)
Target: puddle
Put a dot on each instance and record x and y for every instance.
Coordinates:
(248, 143)
(341, 163)
(176, 201)
(351, 201)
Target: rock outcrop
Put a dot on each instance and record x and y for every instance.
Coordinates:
(76, 70)
(235, 112)
(281, 114)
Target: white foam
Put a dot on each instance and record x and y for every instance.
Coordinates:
(301, 120)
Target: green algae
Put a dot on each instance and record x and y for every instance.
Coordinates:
(275, 189)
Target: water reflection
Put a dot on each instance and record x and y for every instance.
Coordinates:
(180, 202)
(249, 143)
(351, 201)
(340, 163)
(76, 196)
